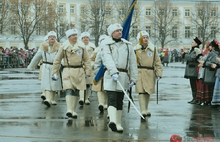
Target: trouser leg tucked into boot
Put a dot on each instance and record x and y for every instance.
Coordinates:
(87, 102)
(105, 100)
(81, 97)
(142, 104)
(112, 118)
(53, 101)
(147, 99)
(75, 99)
(101, 96)
(43, 96)
(69, 104)
(118, 121)
(48, 100)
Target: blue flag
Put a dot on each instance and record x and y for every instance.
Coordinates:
(125, 34)
(127, 22)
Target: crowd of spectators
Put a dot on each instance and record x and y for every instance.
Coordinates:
(16, 58)
(168, 56)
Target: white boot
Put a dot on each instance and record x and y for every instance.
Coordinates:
(105, 100)
(112, 118)
(74, 104)
(147, 99)
(118, 121)
(100, 96)
(53, 102)
(69, 104)
(142, 104)
(87, 102)
(43, 96)
(81, 97)
(47, 102)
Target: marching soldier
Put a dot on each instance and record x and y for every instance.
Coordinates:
(149, 69)
(191, 72)
(47, 53)
(43, 97)
(74, 75)
(90, 47)
(98, 86)
(119, 59)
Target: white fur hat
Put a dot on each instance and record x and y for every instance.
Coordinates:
(144, 33)
(85, 34)
(45, 38)
(51, 33)
(71, 32)
(101, 38)
(114, 27)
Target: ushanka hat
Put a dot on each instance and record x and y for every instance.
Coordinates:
(85, 34)
(197, 40)
(52, 33)
(71, 32)
(114, 27)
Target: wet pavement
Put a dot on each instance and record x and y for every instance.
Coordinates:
(23, 117)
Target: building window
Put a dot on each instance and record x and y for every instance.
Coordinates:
(213, 12)
(1, 28)
(187, 32)
(148, 29)
(174, 32)
(72, 9)
(38, 7)
(61, 9)
(121, 12)
(1, 5)
(148, 12)
(82, 10)
(174, 12)
(38, 29)
(134, 31)
(200, 13)
(108, 11)
(213, 32)
(187, 12)
(61, 29)
(13, 28)
(161, 12)
(199, 32)
(26, 7)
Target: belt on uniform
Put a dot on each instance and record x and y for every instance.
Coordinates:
(79, 66)
(122, 70)
(47, 63)
(145, 67)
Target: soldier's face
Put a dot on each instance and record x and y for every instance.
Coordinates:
(117, 34)
(145, 39)
(51, 39)
(85, 40)
(73, 38)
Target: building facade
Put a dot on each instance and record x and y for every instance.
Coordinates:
(73, 10)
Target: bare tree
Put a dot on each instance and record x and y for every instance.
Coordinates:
(95, 16)
(58, 21)
(205, 21)
(165, 21)
(4, 10)
(122, 7)
(27, 14)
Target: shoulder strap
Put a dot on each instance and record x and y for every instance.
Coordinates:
(154, 57)
(45, 56)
